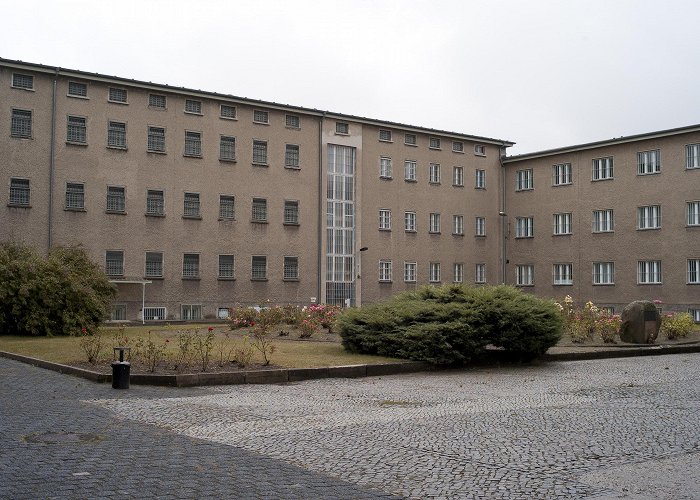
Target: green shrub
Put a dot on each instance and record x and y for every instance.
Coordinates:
(677, 325)
(60, 294)
(452, 324)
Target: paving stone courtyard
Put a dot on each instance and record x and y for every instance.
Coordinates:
(619, 428)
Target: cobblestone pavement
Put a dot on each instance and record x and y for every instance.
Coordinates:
(620, 428)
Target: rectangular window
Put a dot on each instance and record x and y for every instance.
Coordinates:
(21, 125)
(291, 156)
(603, 221)
(385, 167)
(193, 144)
(154, 313)
(563, 274)
(116, 199)
(434, 173)
(693, 213)
(118, 312)
(409, 170)
(291, 268)
(480, 273)
(603, 273)
(458, 224)
(649, 217)
(291, 212)
(155, 202)
(694, 271)
(602, 168)
(434, 275)
(458, 271)
(342, 128)
(117, 95)
(692, 156)
(227, 207)
(259, 210)
(561, 174)
(156, 139)
(385, 135)
(259, 152)
(154, 264)
(458, 146)
(75, 196)
(19, 192)
(20, 81)
(649, 162)
(409, 272)
(525, 275)
(227, 148)
(410, 221)
(561, 224)
(458, 176)
(192, 106)
(259, 267)
(480, 182)
(480, 226)
(410, 139)
(695, 313)
(524, 180)
(190, 265)
(191, 312)
(260, 116)
(385, 271)
(434, 226)
(76, 89)
(649, 272)
(191, 205)
(524, 227)
(434, 143)
(223, 313)
(479, 150)
(157, 101)
(116, 135)
(292, 121)
(227, 111)
(77, 130)
(385, 219)
(114, 263)
(225, 267)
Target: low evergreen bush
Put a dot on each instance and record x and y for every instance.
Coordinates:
(452, 324)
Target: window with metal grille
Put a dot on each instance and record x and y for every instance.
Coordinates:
(602, 169)
(75, 196)
(385, 135)
(525, 275)
(118, 312)
(342, 128)
(20, 81)
(694, 271)
(190, 312)
(223, 313)
(19, 192)
(117, 95)
(480, 226)
(603, 221)
(649, 162)
(563, 274)
(458, 146)
(434, 226)
(77, 130)
(561, 224)
(524, 180)
(227, 148)
(480, 150)
(292, 121)
(21, 125)
(154, 264)
(191, 205)
(114, 263)
(458, 224)
(260, 116)
(227, 111)
(434, 274)
(156, 139)
(385, 219)
(561, 174)
(385, 167)
(157, 101)
(116, 135)
(692, 156)
(226, 266)
(385, 271)
(649, 272)
(409, 170)
(480, 273)
(116, 199)
(649, 217)
(192, 106)
(458, 272)
(190, 265)
(77, 89)
(291, 268)
(693, 213)
(258, 267)
(259, 210)
(409, 272)
(480, 179)
(155, 202)
(410, 221)
(193, 144)
(434, 143)
(458, 176)
(259, 152)
(603, 273)
(291, 156)
(410, 139)
(154, 313)
(227, 207)
(434, 173)
(291, 212)
(524, 227)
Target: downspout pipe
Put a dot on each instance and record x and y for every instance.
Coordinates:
(503, 214)
(52, 159)
(320, 211)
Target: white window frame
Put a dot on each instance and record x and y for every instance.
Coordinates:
(458, 272)
(458, 225)
(227, 148)
(692, 156)
(385, 271)
(227, 207)
(409, 170)
(155, 202)
(261, 116)
(385, 135)
(693, 273)
(562, 224)
(479, 226)
(409, 222)
(692, 212)
(191, 312)
(479, 150)
(156, 140)
(116, 199)
(342, 128)
(458, 176)
(384, 219)
(193, 106)
(22, 81)
(292, 121)
(524, 180)
(291, 213)
(260, 152)
(649, 272)
(561, 174)
(434, 274)
(191, 205)
(563, 274)
(525, 275)
(410, 270)
(193, 144)
(259, 210)
(457, 147)
(153, 267)
(385, 167)
(154, 101)
(21, 123)
(76, 130)
(524, 227)
(78, 89)
(290, 268)
(118, 95)
(434, 143)
(479, 179)
(434, 173)
(603, 273)
(292, 156)
(649, 217)
(228, 112)
(480, 273)
(649, 162)
(604, 221)
(434, 223)
(116, 134)
(155, 313)
(75, 196)
(695, 313)
(114, 266)
(410, 139)
(602, 169)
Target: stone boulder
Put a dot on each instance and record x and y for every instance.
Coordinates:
(641, 322)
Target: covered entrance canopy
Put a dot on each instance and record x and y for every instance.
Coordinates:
(126, 280)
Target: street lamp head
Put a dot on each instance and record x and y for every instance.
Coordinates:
(502, 214)
(363, 249)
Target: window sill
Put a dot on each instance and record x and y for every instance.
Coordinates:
(253, 221)
(70, 209)
(73, 143)
(603, 284)
(157, 216)
(260, 164)
(483, 155)
(290, 280)
(291, 224)
(22, 137)
(648, 173)
(193, 113)
(230, 118)
(388, 141)
(115, 212)
(23, 88)
(434, 232)
(291, 167)
(647, 284)
(342, 133)
(433, 183)
(258, 279)
(411, 145)
(562, 284)
(457, 185)
(153, 151)
(227, 160)
(603, 232)
(118, 102)
(118, 148)
(221, 278)
(524, 190)
(601, 180)
(479, 236)
(84, 97)
(411, 180)
(191, 278)
(199, 157)
(478, 188)
(434, 149)
(155, 278)
(458, 152)
(648, 229)
(525, 286)
(18, 205)
(410, 231)
(385, 229)
(524, 237)
(157, 108)
(385, 282)
(563, 184)
(192, 217)
(563, 234)
(461, 235)
(226, 219)
(292, 128)
(386, 177)
(261, 123)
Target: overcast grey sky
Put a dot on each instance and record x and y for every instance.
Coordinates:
(541, 73)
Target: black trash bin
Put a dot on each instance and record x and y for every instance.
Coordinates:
(121, 370)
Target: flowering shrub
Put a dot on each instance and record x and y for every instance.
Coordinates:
(583, 324)
(608, 326)
(91, 344)
(677, 325)
(307, 326)
(324, 314)
(243, 317)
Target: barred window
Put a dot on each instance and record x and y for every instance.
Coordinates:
(561, 224)
(116, 199)
(480, 273)
(602, 168)
(116, 135)
(190, 265)
(410, 139)
(291, 268)
(226, 266)
(694, 271)
(480, 150)
(21, 124)
(561, 174)
(385, 135)
(458, 176)
(409, 272)
(525, 275)
(117, 95)
(385, 219)
(191, 312)
(19, 192)
(385, 167)
(649, 272)
(292, 121)
(118, 312)
(227, 148)
(603, 273)
(157, 101)
(155, 202)
(77, 89)
(259, 210)
(409, 170)
(227, 207)
(291, 212)
(603, 221)
(480, 180)
(649, 217)
(562, 274)
(342, 128)
(458, 146)
(385, 271)
(291, 156)
(193, 106)
(75, 196)
(434, 274)
(260, 116)
(524, 227)
(259, 152)
(20, 81)
(258, 267)
(154, 264)
(227, 111)
(114, 263)
(156, 139)
(649, 162)
(434, 143)
(191, 205)
(193, 144)
(77, 130)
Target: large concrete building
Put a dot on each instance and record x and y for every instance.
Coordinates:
(195, 202)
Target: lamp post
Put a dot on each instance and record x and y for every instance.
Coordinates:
(503, 216)
(358, 269)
